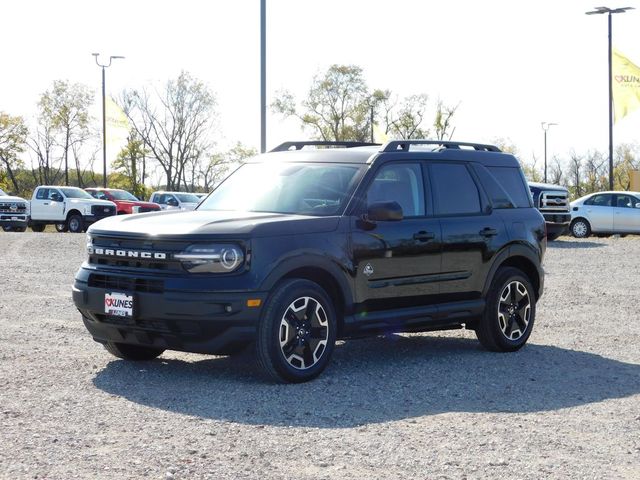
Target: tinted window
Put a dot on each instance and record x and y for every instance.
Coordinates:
(600, 200)
(454, 189)
(625, 201)
(513, 182)
(43, 194)
(400, 183)
(499, 198)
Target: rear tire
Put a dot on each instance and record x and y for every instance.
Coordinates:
(132, 352)
(75, 224)
(507, 321)
(37, 227)
(296, 332)
(580, 228)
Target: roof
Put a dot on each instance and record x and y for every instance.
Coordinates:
(420, 150)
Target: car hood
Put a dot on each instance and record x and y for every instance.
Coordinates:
(137, 203)
(220, 223)
(547, 186)
(9, 198)
(93, 201)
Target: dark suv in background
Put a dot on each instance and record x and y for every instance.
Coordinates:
(300, 247)
(553, 203)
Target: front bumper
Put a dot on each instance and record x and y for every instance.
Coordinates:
(13, 221)
(189, 321)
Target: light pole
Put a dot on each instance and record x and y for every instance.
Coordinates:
(104, 117)
(263, 76)
(610, 11)
(545, 127)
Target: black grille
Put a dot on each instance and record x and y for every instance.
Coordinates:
(127, 284)
(137, 245)
(13, 207)
(103, 210)
(148, 209)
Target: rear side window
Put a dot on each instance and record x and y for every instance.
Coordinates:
(499, 197)
(603, 200)
(513, 182)
(454, 189)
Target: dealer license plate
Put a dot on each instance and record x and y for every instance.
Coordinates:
(118, 304)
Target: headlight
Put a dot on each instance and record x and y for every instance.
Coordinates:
(221, 258)
(89, 244)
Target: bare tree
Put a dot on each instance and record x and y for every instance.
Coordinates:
(575, 174)
(67, 107)
(443, 121)
(556, 175)
(174, 124)
(42, 143)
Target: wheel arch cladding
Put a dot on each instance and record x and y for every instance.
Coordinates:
(333, 283)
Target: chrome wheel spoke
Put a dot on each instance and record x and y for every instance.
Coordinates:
(514, 309)
(304, 332)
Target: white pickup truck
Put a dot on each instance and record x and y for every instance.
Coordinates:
(69, 208)
(14, 213)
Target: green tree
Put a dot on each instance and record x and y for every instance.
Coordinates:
(13, 138)
(66, 106)
(337, 107)
(131, 164)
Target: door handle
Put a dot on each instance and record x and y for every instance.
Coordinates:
(423, 236)
(488, 232)
(46, 203)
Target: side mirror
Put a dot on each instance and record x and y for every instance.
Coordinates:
(384, 212)
(172, 202)
(56, 197)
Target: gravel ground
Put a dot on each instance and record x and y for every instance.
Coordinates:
(403, 406)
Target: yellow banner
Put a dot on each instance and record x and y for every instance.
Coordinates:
(117, 128)
(626, 86)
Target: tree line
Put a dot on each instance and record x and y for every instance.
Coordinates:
(173, 127)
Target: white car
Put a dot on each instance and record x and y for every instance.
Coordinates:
(605, 213)
(175, 200)
(69, 208)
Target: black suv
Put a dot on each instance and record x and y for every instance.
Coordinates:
(302, 246)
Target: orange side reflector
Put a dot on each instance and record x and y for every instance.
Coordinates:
(254, 302)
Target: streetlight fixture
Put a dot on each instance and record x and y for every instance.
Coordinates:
(104, 116)
(545, 127)
(610, 11)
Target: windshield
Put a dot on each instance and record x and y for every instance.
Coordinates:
(122, 195)
(187, 197)
(2, 194)
(75, 193)
(299, 188)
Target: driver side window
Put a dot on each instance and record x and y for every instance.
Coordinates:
(401, 183)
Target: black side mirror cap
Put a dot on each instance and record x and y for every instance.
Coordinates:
(384, 212)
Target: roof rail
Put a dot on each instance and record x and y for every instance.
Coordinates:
(319, 143)
(403, 145)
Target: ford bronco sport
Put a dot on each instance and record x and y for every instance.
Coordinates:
(300, 247)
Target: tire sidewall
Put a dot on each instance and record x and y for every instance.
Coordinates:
(62, 227)
(269, 328)
(586, 229)
(78, 224)
(503, 278)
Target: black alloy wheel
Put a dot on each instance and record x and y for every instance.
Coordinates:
(297, 331)
(509, 314)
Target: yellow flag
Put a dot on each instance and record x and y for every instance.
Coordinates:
(379, 135)
(626, 86)
(117, 125)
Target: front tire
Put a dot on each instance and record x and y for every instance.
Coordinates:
(6, 228)
(62, 227)
(37, 227)
(580, 228)
(75, 224)
(132, 352)
(296, 332)
(506, 323)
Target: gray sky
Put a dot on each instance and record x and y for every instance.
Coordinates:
(509, 64)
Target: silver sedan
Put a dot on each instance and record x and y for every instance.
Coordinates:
(605, 213)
